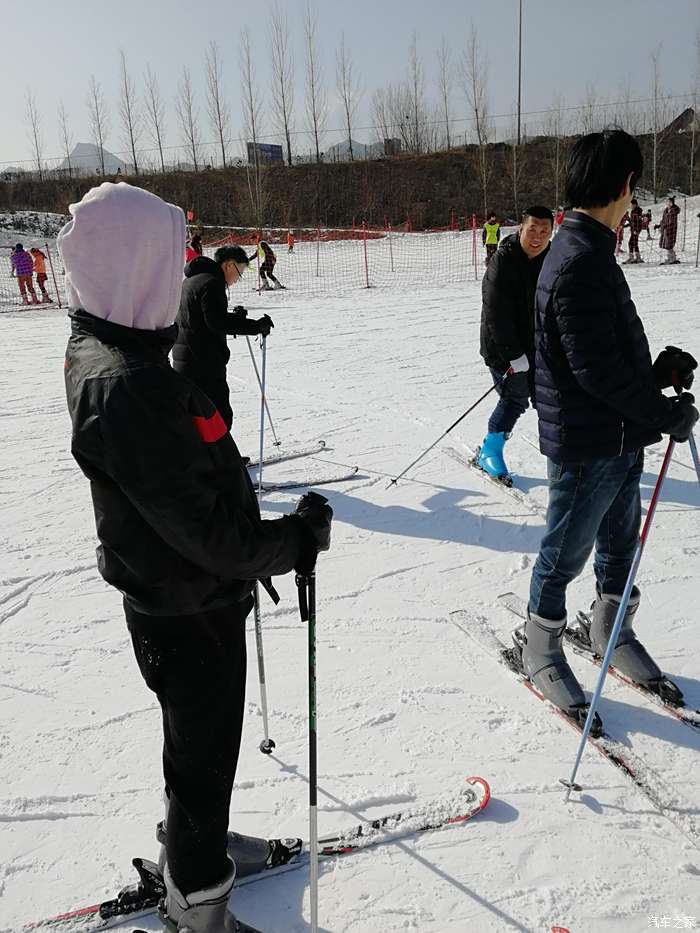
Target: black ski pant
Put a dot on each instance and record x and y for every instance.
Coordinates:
(212, 384)
(196, 666)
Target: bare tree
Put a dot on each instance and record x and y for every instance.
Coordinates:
(589, 109)
(696, 116)
(155, 113)
(444, 82)
(252, 115)
(659, 115)
(188, 114)
(34, 132)
(347, 87)
(217, 108)
(381, 114)
(475, 79)
(416, 97)
(554, 128)
(316, 109)
(129, 112)
(99, 118)
(282, 74)
(66, 136)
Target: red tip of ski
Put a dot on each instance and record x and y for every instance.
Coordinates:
(486, 787)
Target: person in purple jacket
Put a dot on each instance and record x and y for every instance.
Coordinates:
(23, 267)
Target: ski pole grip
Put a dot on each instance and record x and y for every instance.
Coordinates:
(302, 582)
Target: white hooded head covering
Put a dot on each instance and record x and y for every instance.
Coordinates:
(123, 255)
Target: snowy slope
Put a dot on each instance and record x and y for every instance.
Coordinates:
(407, 707)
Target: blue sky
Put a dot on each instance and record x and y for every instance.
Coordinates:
(53, 46)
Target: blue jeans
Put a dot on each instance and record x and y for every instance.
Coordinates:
(589, 503)
(514, 399)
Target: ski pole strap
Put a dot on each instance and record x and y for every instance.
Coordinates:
(302, 582)
(269, 588)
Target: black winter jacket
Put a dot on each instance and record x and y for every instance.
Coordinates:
(594, 388)
(508, 304)
(178, 522)
(200, 351)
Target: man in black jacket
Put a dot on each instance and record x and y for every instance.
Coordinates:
(599, 402)
(507, 329)
(178, 522)
(201, 351)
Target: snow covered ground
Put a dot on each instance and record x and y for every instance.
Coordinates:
(407, 707)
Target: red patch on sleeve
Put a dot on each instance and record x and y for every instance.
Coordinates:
(210, 429)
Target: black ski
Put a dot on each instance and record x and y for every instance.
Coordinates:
(290, 453)
(318, 479)
(651, 784)
(141, 899)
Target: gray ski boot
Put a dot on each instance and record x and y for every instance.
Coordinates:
(545, 664)
(630, 656)
(204, 911)
(250, 854)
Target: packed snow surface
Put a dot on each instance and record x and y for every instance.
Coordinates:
(407, 705)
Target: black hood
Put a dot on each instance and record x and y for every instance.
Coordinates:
(203, 264)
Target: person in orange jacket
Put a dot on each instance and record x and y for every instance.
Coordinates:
(39, 263)
(290, 241)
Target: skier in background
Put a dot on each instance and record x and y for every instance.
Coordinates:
(635, 225)
(290, 241)
(508, 301)
(599, 403)
(267, 264)
(180, 531)
(23, 267)
(490, 236)
(200, 351)
(669, 230)
(646, 224)
(39, 261)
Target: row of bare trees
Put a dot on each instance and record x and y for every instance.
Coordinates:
(401, 110)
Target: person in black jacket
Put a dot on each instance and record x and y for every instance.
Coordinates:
(599, 401)
(201, 351)
(178, 523)
(507, 329)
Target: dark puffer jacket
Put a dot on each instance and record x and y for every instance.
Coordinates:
(201, 352)
(508, 304)
(594, 387)
(178, 522)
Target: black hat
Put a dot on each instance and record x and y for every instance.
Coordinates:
(18, 246)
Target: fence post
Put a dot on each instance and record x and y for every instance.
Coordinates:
(685, 221)
(391, 245)
(697, 250)
(474, 244)
(364, 238)
(257, 258)
(318, 248)
(53, 275)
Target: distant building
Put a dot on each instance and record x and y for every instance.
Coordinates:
(392, 147)
(267, 152)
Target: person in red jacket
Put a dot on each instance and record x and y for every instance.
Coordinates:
(635, 225)
(290, 241)
(669, 231)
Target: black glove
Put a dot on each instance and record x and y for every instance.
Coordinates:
(674, 367)
(264, 325)
(240, 311)
(314, 516)
(682, 418)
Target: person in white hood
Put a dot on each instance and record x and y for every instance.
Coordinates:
(180, 531)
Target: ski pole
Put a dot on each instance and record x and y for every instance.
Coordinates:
(622, 609)
(306, 584)
(267, 743)
(694, 453)
(394, 481)
(267, 407)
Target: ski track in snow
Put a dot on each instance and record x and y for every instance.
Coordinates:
(406, 708)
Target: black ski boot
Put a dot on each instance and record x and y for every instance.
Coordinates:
(544, 664)
(630, 657)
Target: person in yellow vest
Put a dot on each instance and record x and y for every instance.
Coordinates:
(490, 236)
